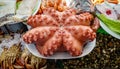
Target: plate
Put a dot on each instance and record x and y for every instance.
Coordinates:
(112, 33)
(62, 55)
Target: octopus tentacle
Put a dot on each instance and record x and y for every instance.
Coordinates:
(96, 24)
(85, 18)
(72, 20)
(81, 32)
(67, 13)
(72, 45)
(49, 11)
(41, 20)
(82, 19)
(51, 45)
(39, 33)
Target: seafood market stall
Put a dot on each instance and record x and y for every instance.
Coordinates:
(62, 34)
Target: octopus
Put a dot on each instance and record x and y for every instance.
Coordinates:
(63, 30)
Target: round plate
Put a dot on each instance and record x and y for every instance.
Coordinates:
(114, 34)
(62, 55)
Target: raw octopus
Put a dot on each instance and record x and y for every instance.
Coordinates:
(55, 30)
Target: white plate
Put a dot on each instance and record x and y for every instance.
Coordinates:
(114, 34)
(62, 55)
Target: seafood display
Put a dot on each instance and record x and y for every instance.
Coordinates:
(59, 29)
(31, 30)
(63, 30)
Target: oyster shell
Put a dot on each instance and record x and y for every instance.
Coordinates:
(11, 15)
(82, 5)
(7, 10)
(7, 7)
(25, 9)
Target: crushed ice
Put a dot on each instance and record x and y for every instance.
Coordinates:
(8, 42)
